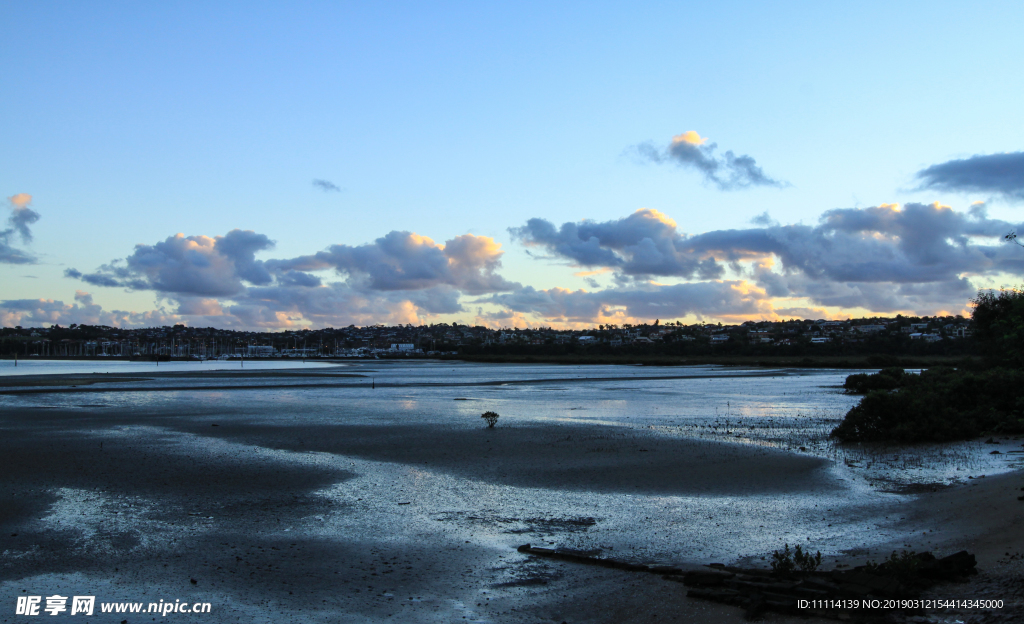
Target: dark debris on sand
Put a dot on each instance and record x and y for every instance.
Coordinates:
(831, 594)
(764, 590)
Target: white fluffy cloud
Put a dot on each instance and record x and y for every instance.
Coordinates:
(408, 261)
(712, 299)
(400, 277)
(38, 312)
(884, 258)
(645, 243)
(189, 265)
(915, 258)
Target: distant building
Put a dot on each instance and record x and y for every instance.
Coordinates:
(869, 329)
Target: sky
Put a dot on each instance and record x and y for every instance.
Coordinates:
(261, 165)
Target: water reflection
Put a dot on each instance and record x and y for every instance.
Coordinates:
(791, 411)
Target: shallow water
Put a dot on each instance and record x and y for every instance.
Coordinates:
(788, 409)
(34, 366)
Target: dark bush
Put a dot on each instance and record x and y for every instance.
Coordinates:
(941, 404)
(885, 379)
(998, 324)
(883, 361)
(785, 562)
(903, 567)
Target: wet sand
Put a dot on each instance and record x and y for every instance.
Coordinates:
(984, 516)
(210, 504)
(160, 510)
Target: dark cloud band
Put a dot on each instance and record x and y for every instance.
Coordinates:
(997, 174)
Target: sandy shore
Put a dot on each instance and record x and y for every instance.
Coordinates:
(985, 516)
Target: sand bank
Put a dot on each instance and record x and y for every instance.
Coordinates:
(55, 384)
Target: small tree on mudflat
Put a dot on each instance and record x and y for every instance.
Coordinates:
(491, 418)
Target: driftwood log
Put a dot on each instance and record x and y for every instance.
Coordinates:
(758, 590)
(582, 557)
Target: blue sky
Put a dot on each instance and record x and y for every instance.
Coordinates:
(129, 123)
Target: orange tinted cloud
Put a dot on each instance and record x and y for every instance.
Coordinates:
(691, 137)
(20, 200)
(589, 273)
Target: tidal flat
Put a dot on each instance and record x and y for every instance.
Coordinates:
(372, 491)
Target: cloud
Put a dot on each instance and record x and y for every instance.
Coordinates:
(18, 224)
(20, 200)
(918, 243)
(712, 299)
(326, 186)
(96, 279)
(998, 174)
(37, 312)
(727, 172)
(645, 243)
(506, 318)
(337, 304)
(919, 298)
(400, 277)
(22, 216)
(919, 257)
(808, 313)
(188, 266)
(408, 261)
(198, 306)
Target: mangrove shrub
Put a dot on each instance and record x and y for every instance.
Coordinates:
(940, 404)
(491, 418)
(998, 325)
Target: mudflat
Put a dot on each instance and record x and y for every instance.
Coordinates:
(142, 503)
(319, 516)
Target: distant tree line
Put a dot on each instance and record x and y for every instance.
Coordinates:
(739, 346)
